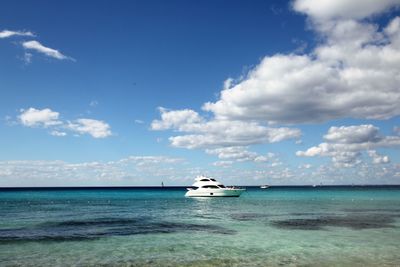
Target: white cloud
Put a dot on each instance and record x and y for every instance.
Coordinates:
(175, 119)
(133, 170)
(223, 163)
(200, 133)
(39, 118)
(276, 164)
(34, 45)
(48, 118)
(342, 9)
(50, 52)
(150, 160)
(7, 33)
(353, 134)
(233, 134)
(305, 166)
(239, 154)
(96, 128)
(378, 159)
(58, 133)
(345, 149)
(354, 71)
(176, 171)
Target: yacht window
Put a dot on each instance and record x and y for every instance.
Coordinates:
(222, 186)
(213, 180)
(204, 180)
(210, 186)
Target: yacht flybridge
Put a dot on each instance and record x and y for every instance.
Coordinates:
(209, 187)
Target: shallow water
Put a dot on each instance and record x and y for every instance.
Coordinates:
(280, 226)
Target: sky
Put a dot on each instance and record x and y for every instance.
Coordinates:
(129, 93)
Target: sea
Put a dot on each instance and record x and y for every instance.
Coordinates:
(151, 226)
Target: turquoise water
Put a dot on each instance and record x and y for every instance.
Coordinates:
(280, 226)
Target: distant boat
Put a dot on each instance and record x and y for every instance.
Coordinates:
(264, 186)
(209, 187)
(162, 184)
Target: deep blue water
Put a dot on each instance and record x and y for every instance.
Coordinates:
(279, 226)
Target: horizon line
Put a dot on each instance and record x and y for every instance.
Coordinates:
(184, 186)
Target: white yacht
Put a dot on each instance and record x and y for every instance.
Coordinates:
(209, 187)
(264, 186)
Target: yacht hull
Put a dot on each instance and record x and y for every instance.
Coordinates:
(215, 193)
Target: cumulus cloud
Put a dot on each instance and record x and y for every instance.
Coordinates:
(343, 9)
(7, 33)
(48, 118)
(180, 119)
(378, 159)
(354, 71)
(345, 149)
(233, 134)
(229, 140)
(35, 117)
(50, 52)
(95, 128)
(353, 134)
(202, 133)
(239, 154)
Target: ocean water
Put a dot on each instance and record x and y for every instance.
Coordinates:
(279, 226)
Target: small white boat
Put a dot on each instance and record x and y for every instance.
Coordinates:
(264, 186)
(209, 187)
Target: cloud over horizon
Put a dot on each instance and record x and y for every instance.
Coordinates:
(345, 144)
(152, 170)
(57, 172)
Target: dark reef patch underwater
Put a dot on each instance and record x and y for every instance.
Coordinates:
(76, 230)
(350, 221)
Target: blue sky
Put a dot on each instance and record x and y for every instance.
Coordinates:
(254, 92)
